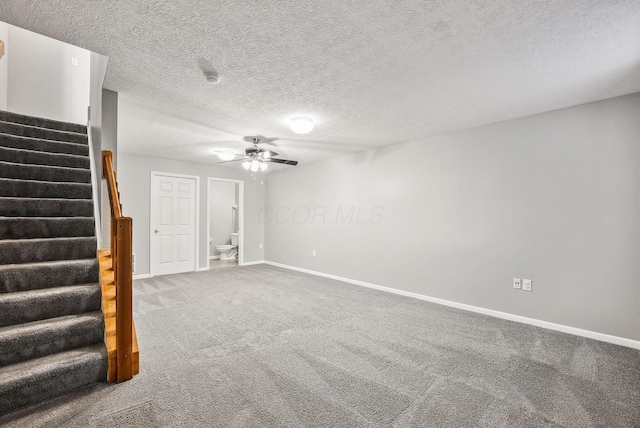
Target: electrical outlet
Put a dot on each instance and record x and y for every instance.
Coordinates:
(313, 253)
(516, 283)
(262, 246)
(526, 284)
(74, 62)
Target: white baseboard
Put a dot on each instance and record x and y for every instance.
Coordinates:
(257, 262)
(214, 258)
(504, 315)
(142, 276)
(200, 269)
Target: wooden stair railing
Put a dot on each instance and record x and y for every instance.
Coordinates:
(116, 279)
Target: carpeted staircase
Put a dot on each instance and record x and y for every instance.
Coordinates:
(51, 322)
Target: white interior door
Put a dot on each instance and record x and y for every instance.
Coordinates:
(173, 223)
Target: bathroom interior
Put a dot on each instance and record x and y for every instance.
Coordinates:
(224, 224)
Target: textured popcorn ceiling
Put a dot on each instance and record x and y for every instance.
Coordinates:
(370, 73)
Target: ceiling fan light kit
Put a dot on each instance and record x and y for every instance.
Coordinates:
(254, 165)
(301, 125)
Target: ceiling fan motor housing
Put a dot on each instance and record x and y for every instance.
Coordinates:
(254, 151)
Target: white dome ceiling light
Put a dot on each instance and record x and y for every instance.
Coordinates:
(301, 125)
(226, 156)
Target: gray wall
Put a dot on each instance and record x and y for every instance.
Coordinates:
(553, 197)
(104, 132)
(134, 177)
(109, 138)
(42, 81)
(221, 198)
(98, 71)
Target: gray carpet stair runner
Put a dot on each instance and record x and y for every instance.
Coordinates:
(51, 323)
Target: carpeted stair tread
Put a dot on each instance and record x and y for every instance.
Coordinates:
(39, 207)
(8, 154)
(44, 189)
(34, 305)
(40, 145)
(40, 122)
(34, 276)
(43, 133)
(43, 378)
(45, 227)
(44, 173)
(45, 337)
(15, 251)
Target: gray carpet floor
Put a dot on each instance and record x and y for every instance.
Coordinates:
(261, 346)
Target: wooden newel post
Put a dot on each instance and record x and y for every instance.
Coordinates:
(124, 304)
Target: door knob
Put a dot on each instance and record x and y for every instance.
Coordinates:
(156, 231)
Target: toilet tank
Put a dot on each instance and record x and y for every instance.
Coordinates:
(234, 239)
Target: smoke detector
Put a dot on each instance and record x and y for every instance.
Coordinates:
(212, 77)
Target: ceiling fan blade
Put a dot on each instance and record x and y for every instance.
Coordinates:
(235, 160)
(283, 161)
(224, 152)
(271, 153)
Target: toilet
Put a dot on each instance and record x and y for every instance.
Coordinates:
(229, 252)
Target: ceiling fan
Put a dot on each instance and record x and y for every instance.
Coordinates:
(255, 158)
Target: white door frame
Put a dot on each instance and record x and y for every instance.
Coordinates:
(196, 222)
(240, 184)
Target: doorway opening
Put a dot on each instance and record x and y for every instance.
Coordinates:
(225, 222)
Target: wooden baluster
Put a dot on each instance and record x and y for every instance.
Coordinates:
(113, 240)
